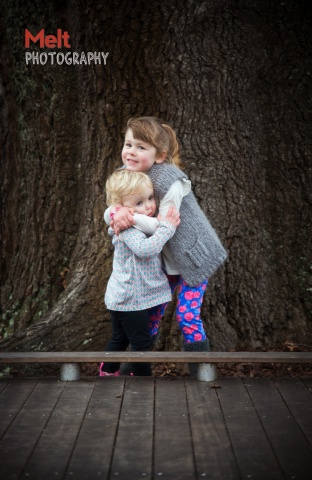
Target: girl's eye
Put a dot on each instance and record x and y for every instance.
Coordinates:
(128, 145)
(151, 197)
(139, 204)
(141, 148)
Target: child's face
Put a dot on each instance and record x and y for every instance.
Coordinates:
(143, 202)
(139, 156)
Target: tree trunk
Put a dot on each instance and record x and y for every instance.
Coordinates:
(234, 80)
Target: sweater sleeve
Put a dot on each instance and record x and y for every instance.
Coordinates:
(106, 216)
(179, 189)
(147, 247)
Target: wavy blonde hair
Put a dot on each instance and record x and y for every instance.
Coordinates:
(123, 182)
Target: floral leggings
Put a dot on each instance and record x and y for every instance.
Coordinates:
(188, 308)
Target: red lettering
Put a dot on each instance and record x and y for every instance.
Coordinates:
(66, 38)
(49, 41)
(29, 37)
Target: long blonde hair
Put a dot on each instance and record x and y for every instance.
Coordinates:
(123, 182)
(160, 135)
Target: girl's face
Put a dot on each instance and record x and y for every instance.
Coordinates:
(143, 202)
(139, 156)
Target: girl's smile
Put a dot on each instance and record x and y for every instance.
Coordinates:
(139, 156)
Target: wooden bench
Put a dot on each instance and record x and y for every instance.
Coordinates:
(70, 361)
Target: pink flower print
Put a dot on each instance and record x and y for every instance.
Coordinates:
(189, 316)
(188, 295)
(194, 304)
(198, 337)
(188, 330)
(196, 294)
(182, 308)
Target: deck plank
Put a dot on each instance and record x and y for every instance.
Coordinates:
(174, 456)
(155, 428)
(22, 435)
(53, 450)
(250, 444)
(96, 439)
(214, 456)
(134, 443)
(299, 401)
(308, 382)
(287, 440)
(13, 396)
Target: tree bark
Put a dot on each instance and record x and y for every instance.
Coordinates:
(234, 80)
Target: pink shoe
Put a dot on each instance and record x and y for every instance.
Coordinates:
(106, 374)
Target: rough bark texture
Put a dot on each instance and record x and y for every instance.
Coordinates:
(234, 80)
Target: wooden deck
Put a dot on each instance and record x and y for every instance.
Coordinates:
(145, 428)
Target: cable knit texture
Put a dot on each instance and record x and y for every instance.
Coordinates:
(195, 246)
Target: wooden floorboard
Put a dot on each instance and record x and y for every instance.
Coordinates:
(251, 446)
(58, 438)
(134, 442)
(174, 457)
(12, 397)
(93, 451)
(144, 428)
(298, 399)
(214, 456)
(281, 428)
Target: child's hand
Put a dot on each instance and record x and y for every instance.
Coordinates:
(173, 217)
(122, 220)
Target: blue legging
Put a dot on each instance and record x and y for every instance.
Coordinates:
(188, 308)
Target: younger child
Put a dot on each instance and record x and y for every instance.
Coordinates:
(137, 286)
(195, 252)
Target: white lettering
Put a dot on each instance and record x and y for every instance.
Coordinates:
(60, 58)
(43, 58)
(52, 55)
(83, 58)
(104, 55)
(70, 58)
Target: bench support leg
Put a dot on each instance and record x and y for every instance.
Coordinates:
(207, 372)
(70, 372)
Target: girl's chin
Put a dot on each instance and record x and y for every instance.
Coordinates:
(134, 168)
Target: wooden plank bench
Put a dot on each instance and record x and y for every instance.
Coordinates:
(70, 361)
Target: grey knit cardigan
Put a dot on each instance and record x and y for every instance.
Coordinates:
(195, 246)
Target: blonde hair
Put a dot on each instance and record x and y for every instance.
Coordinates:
(123, 182)
(160, 135)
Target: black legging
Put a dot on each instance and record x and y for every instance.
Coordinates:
(130, 328)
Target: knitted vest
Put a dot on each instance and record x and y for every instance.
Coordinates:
(195, 246)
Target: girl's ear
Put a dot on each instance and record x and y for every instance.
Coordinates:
(162, 157)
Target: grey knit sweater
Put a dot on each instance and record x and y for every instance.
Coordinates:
(195, 246)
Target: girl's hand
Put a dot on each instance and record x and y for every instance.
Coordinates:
(123, 219)
(173, 217)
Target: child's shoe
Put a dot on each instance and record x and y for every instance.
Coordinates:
(106, 374)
